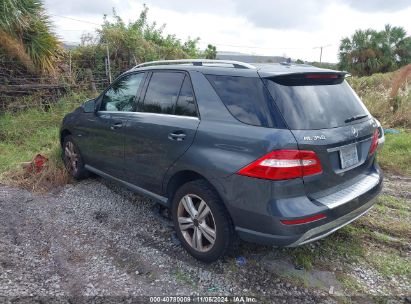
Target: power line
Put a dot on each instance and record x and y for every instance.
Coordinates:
(75, 19)
(217, 44)
(258, 47)
(63, 30)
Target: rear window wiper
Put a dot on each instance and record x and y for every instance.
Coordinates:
(356, 117)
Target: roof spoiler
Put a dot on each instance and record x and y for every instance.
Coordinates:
(309, 78)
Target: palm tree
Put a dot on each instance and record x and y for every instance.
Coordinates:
(390, 40)
(369, 51)
(360, 53)
(210, 52)
(25, 35)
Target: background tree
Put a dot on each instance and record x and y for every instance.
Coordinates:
(210, 52)
(130, 44)
(369, 51)
(26, 36)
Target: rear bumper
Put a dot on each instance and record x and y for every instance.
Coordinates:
(337, 218)
(326, 229)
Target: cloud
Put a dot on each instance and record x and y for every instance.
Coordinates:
(300, 15)
(370, 6)
(282, 14)
(84, 7)
(209, 6)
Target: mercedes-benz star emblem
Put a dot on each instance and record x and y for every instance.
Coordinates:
(354, 131)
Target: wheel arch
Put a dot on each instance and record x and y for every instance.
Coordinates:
(64, 133)
(182, 177)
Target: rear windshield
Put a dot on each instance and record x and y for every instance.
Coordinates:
(306, 107)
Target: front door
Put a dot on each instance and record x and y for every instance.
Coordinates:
(103, 133)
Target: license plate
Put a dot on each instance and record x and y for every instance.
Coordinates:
(348, 156)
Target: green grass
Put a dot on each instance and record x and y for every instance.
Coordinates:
(351, 284)
(379, 240)
(390, 263)
(396, 153)
(27, 133)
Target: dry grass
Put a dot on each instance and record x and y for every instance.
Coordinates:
(15, 49)
(375, 92)
(52, 175)
(400, 79)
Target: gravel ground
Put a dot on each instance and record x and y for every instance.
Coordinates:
(94, 238)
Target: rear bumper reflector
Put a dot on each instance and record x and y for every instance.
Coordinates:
(304, 220)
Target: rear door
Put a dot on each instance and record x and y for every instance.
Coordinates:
(327, 117)
(162, 128)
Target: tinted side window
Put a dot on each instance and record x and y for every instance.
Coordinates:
(186, 105)
(120, 97)
(245, 97)
(162, 93)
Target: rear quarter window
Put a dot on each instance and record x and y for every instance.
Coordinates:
(247, 99)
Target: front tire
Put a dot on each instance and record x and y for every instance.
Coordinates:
(72, 159)
(201, 221)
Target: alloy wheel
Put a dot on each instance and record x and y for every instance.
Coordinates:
(71, 157)
(196, 223)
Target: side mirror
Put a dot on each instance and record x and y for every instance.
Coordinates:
(89, 106)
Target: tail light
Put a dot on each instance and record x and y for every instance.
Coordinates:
(374, 142)
(284, 164)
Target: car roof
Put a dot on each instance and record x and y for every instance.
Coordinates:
(231, 68)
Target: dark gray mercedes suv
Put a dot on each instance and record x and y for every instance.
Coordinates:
(281, 154)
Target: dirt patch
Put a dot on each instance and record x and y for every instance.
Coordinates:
(95, 238)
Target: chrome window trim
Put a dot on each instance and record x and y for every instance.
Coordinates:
(148, 114)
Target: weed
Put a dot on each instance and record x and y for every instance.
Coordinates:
(350, 283)
(25, 134)
(303, 256)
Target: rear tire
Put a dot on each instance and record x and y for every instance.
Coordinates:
(72, 159)
(201, 221)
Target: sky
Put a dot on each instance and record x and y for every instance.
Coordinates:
(291, 28)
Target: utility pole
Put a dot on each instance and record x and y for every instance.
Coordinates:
(108, 64)
(70, 65)
(321, 50)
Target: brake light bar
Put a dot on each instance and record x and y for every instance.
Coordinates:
(304, 220)
(321, 76)
(284, 164)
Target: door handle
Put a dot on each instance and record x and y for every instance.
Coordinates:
(117, 125)
(178, 136)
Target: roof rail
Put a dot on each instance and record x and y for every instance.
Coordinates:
(197, 62)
